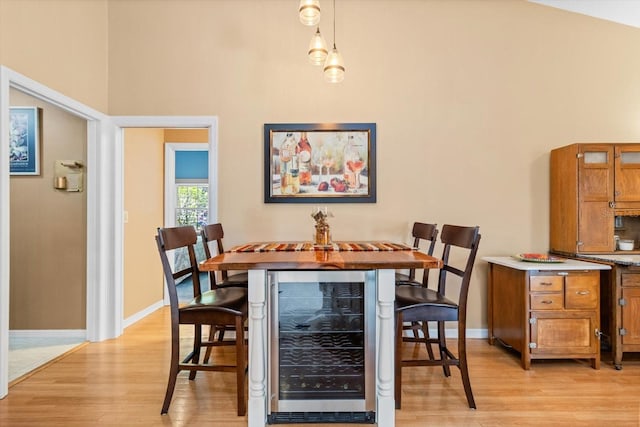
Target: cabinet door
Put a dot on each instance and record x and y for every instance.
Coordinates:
(595, 192)
(627, 173)
(564, 333)
(631, 315)
(595, 227)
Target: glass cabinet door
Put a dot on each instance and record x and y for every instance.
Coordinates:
(595, 194)
(627, 173)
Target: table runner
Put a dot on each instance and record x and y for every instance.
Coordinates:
(308, 246)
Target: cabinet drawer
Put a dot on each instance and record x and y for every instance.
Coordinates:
(545, 283)
(582, 292)
(546, 301)
(631, 279)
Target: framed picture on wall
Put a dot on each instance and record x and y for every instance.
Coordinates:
(320, 163)
(24, 140)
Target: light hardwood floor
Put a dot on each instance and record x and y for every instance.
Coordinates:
(122, 382)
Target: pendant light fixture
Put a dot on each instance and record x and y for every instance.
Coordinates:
(317, 49)
(334, 65)
(309, 12)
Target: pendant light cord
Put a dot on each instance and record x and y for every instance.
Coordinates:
(334, 24)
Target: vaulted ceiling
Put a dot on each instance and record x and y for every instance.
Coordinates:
(622, 11)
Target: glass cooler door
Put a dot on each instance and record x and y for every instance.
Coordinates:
(322, 358)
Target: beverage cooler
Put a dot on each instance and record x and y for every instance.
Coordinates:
(322, 347)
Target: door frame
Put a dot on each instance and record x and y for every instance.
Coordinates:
(170, 149)
(105, 201)
(188, 122)
(104, 315)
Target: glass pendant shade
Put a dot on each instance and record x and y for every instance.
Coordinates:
(334, 67)
(309, 12)
(317, 49)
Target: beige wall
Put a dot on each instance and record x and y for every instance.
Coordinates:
(144, 204)
(48, 231)
(186, 135)
(59, 43)
(469, 98)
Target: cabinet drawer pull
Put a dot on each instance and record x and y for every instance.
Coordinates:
(546, 301)
(583, 292)
(546, 283)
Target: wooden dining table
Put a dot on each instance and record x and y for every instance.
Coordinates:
(263, 258)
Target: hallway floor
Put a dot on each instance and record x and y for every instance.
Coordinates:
(29, 353)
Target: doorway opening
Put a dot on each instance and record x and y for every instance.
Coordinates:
(46, 321)
(101, 310)
(149, 197)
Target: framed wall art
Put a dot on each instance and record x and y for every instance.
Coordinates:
(24, 140)
(320, 163)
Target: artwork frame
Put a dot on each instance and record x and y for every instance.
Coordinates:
(318, 175)
(24, 140)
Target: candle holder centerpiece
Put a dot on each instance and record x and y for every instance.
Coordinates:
(322, 235)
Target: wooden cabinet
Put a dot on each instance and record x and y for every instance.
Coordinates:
(630, 313)
(595, 195)
(627, 176)
(544, 311)
(619, 303)
(624, 312)
(564, 316)
(590, 184)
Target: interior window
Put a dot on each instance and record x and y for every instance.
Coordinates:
(192, 204)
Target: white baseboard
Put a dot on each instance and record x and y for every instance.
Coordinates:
(80, 334)
(475, 333)
(449, 332)
(142, 314)
(453, 333)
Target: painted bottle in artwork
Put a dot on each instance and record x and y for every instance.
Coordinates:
(287, 151)
(354, 163)
(293, 175)
(303, 150)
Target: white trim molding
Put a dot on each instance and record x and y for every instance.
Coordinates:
(142, 313)
(104, 316)
(105, 227)
(206, 122)
(4, 232)
(452, 333)
(75, 334)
